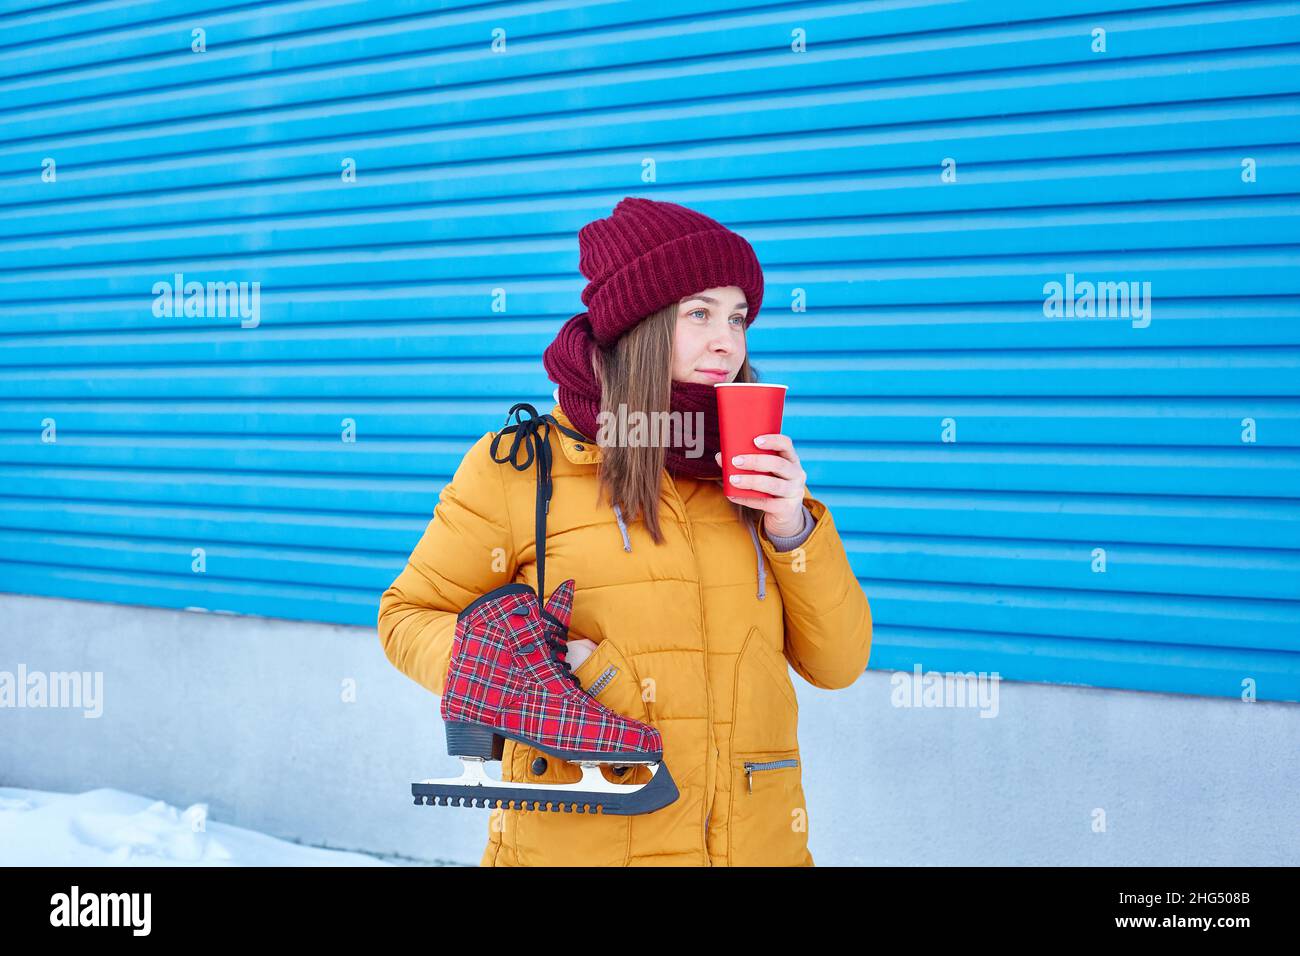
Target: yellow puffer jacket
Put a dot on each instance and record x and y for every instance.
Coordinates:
(696, 632)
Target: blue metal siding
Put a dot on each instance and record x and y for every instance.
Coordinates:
(475, 171)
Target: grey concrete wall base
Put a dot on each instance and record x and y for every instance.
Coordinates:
(307, 732)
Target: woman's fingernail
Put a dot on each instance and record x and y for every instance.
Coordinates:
(735, 479)
(738, 460)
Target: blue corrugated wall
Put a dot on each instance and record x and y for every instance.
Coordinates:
(1086, 500)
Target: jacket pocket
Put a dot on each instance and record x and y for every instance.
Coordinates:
(768, 815)
(765, 711)
(559, 838)
(608, 677)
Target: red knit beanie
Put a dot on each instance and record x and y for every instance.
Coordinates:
(648, 254)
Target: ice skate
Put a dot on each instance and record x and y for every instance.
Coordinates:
(508, 677)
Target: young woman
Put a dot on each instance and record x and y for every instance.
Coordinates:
(688, 603)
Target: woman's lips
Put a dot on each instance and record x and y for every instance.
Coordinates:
(715, 376)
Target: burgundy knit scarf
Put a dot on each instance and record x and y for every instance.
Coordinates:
(568, 362)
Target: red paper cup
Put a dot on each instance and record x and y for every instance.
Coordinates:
(745, 411)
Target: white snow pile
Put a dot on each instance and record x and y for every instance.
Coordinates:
(108, 827)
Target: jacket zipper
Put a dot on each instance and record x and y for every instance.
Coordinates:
(704, 641)
(599, 683)
(751, 766)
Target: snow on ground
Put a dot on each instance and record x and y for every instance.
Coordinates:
(108, 827)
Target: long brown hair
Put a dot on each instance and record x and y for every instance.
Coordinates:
(636, 372)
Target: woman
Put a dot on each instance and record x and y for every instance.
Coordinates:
(674, 577)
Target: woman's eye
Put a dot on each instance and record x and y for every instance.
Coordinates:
(704, 314)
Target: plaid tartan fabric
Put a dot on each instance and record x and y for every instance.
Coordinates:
(560, 606)
(504, 674)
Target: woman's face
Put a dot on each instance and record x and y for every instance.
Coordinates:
(710, 335)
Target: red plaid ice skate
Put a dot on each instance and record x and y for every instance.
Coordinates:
(507, 673)
(509, 677)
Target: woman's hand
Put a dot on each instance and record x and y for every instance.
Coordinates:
(579, 649)
(785, 511)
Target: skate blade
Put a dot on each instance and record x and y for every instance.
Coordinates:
(592, 794)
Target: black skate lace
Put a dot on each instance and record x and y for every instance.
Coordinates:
(534, 435)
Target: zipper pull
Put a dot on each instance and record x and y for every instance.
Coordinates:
(749, 777)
